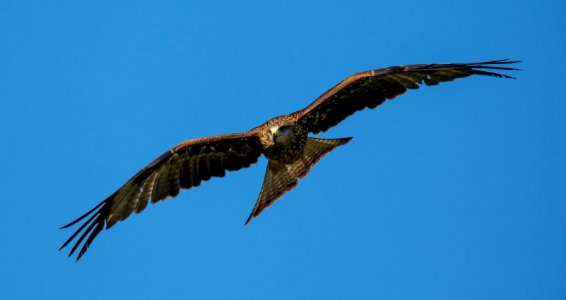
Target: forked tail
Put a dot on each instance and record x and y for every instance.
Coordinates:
(281, 178)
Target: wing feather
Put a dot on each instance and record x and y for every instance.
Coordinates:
(371, 88)
(158, 189)
(184, 166)
(147, 190)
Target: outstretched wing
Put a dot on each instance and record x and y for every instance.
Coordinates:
(372, 88)
(184, 166)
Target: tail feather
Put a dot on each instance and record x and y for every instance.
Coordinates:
(281, 178)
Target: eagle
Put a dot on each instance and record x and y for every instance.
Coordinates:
(283, 140)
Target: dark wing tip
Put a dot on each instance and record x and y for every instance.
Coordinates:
(479, 67)
(83, 216)
(485, 68)
(499, 62)
(95, 224)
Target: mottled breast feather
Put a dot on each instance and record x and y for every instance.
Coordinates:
(284, 153)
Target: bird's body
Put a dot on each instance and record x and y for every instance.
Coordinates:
(283, 140)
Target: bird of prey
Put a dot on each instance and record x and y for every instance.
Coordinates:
(283, 140)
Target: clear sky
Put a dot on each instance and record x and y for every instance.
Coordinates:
(448, 192)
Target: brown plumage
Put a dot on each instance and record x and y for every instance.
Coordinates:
(283, 140)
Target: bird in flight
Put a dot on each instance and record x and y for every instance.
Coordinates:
(283, 140)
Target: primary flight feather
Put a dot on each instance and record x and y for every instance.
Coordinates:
(282, 140)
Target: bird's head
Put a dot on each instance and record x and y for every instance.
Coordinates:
(282, 134)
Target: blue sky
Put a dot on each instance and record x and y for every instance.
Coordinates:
(449, 192)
